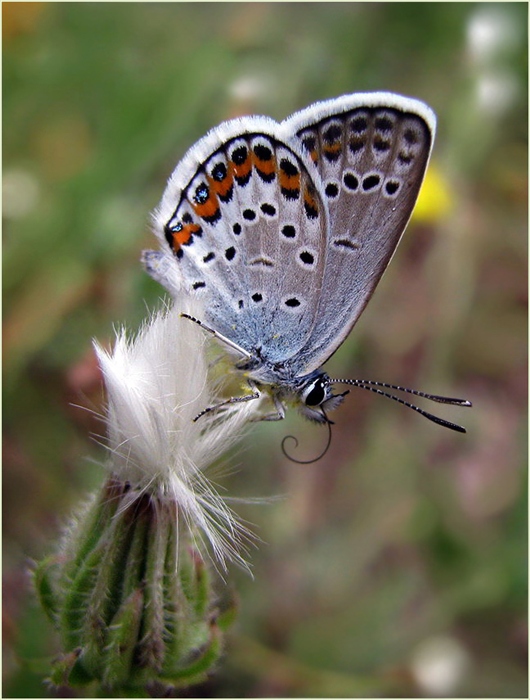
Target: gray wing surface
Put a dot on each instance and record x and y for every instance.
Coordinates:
(371, 152)
(248, 229)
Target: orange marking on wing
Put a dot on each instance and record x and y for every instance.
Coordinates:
(221, 187)
(208, 208)
(266, 166)
(184, 235)
(242, 170)
(310, 201)
(289, 182)
(333, 148)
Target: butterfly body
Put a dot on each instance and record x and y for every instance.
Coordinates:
(283, 230)
(311, 394)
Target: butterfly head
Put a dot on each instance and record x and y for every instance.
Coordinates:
(317, 398)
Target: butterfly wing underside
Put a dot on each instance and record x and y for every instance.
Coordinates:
(246, 229)
(371, 152)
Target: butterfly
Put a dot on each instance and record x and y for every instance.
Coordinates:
(283, 231)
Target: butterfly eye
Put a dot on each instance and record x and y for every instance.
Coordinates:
(315, 393)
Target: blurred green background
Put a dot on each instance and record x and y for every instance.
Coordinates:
(397, 565)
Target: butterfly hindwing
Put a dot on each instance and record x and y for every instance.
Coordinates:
(371, 152)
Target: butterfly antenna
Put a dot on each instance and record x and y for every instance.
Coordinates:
(374, 386)
(309, 461)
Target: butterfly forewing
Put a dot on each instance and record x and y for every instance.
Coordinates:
(371, 153)
(249, 234)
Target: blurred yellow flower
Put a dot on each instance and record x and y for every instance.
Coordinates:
(435, 199)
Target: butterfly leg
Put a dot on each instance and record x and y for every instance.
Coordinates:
(280, 411)
(256, 394)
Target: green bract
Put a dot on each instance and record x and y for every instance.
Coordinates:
(131, 597)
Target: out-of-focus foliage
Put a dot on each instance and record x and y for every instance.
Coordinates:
(397, 564)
